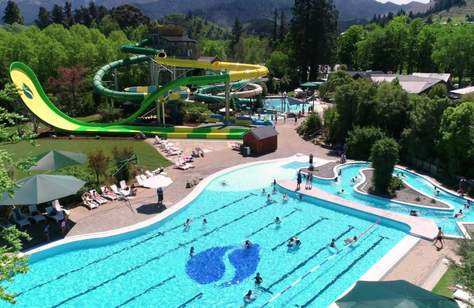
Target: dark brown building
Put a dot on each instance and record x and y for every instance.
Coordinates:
(261, 140)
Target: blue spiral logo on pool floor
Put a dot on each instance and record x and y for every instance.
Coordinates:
(208, 266)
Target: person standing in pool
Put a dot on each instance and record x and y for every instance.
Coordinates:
(191, 252)
(298, 180)
(258, 279)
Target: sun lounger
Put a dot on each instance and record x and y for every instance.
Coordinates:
(159, 170)
(56, 205)
(19, 218)
(185, 166)
(88, 202)
(96, 197)
(107, 193)
(35, 215)
(54, 215)
(464, 296)
(139, 181)
(119, 192)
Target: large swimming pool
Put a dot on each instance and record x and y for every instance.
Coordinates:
(444, 218)
(152, 266)
(282, 104)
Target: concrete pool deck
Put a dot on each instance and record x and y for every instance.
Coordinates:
(419, 227)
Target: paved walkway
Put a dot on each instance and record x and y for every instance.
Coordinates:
(218, 156)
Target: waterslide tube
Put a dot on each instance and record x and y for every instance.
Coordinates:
(34, 97)
(203, 94)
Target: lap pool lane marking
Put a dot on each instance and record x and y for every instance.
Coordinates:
(192, 299)
(272, 223)
(159, 284)
(304, 262)
(181, 245)
(300, 232)
(155, 235)
(328, 285)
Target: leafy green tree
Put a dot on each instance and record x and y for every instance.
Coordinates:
(347, 46)
(384, 156)
(360, 141)
(391, 109)
(12, 14)
(328, 89)
(457, 138)
(438, 91)
(313, 32)
(419, 139)
(311, 126)
(129, 16)
(331, 129)
(57, 14)
(213, 48)
(464, 271)
(44, 19)
(278, 64)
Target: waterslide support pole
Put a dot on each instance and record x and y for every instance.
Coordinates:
(227, 100)
(163, 112)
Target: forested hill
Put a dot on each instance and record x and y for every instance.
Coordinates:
(225, 11)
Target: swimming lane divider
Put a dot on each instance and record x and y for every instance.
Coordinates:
(271, 223)
(189, 301)
(157, 257)
(374, 245)
(155, 235)
(304, 262)
(300, 232)
(159, 284)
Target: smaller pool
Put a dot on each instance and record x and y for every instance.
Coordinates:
(282, 104)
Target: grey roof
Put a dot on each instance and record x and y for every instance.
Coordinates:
(263, 132)
(443, 77)
(411, 84)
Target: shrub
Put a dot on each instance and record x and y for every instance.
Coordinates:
(384, 156)
(360, 141)
(98, 163)
(310, 127)
(395, 184)
(122, 168)
(465, 270)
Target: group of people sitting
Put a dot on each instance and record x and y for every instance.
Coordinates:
(92, 199)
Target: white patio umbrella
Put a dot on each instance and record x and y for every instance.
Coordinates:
(157, 181)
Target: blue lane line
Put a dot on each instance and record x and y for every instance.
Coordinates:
(153, 236)
(300, 232)
(195, 297)
(131, 299)
(270, 224)
(343, 272)
(181, 245)
(304, 262)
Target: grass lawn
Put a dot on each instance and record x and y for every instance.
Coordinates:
(446, 281)
(148, 157)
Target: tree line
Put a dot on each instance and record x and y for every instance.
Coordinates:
(407, 45)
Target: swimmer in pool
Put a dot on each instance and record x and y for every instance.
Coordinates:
(350, 240)
(274, 182)
(274, 191)
(413, 213)
(247, 244)
(248, 297)
(340, 192)
(285, 197)
(269, 198)
(277, 220)
(204, 222)
(188, 223)
(263, 191)
(224, 183)
(333, 243)
(459, 215)
(191, 252)
(258, 279)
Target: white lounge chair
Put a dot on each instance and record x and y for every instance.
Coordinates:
(96, 197)
(19, 218)
(35, 214)
(89, 203)
(56, 205)
(119, 192)
(140, 181)
(107, 193)
(54, 215)
(181, 166)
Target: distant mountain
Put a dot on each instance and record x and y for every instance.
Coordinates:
(225, 11)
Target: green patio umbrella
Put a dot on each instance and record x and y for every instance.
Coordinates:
(42, 188)
(397, 293)
(54, 159)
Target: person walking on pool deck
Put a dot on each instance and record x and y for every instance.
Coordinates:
(439, 239)
(298, 180)
(159, 193)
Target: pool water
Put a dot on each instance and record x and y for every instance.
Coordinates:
(282, 104)
(443, 218)
(152, 266)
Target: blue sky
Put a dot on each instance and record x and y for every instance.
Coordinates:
(403, 1)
